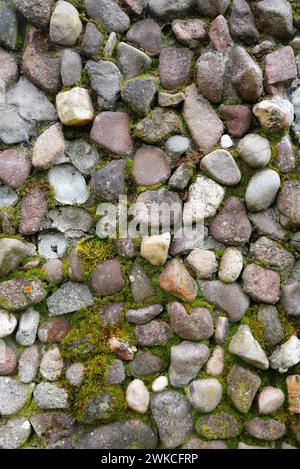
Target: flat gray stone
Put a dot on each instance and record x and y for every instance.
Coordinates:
(221, 166)
(69, 298)
(187, 359)
(105, 80)
(109, 14)
(68, 184)
(13, 395)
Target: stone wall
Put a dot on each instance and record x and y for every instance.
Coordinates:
(158, 341)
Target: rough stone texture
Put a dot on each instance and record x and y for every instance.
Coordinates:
(158, 126)
(105, 80)
(20, 294)
(108, 183)
(275, 18)
(153, 333)
(205, 196)
(139, 94)
(176, 280)
(219, 34)
(147, 35)
(238, 118)
(228, 297)
(255, 150)
(272, 328)
(15, 433)
(203, 263)
(274, 114)
(13, 395)
(187, 359)
(50, 396)
(75, 107)
(231, 226)
(268, 430)
(132, 61)
(110, 131)
(195, 325)
(288, 204)
(242, 386)
(109, 14)
(48, 148)
(246, 347)
(28, 326)
(220, 425)
(242, 24)
(261, 284)
(205, 394)
(173, 415)
(70, 297)
(174, 67)
(246, 75)
(270, 399)
(210, 74)
(286, 355)
(107, 278)
(204, 124)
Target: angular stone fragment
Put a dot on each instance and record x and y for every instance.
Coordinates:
(228, 297)
(75, 107)
(9, 68)
(238, 118)
(266, 223)
(242, 386)
(41, 68)
(13, 129)
(285, 155)
(108, 183)
(176, 280)
(187, 359)
(141, 286)
(139, 94)
(12, 252)
(286, 355)
(274, 114)
(268, 430)
(174, 67)
(150, 166)
(194, 325)
(189, 32)
(221, 166)
(261, 284)
(290, 297)
(246, 347)
(69, 298)
(280, 67)
(231, 226)
(54, 330)
(28, 326)
(131, 61)
(19, 294)
(147, 35)
(246, 75)
(111, 131)
(91, 41)
(50, 396)
(169, 99)
(82, 155)
(8, 361)
(54, 428)
(155, 248)
(105, 79)
(204, 124)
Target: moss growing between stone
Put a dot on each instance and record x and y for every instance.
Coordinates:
(92, 251)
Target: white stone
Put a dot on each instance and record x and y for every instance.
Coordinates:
(155, 248)
(231, 265)
(69, 185)
(226, 141)
(52, 245)
(205, 197)
(255, 150)
(270, 399)
(65, 24)
(286, 355)
(51, 364)
(203, 262)
(274, 114)
(246, 347)
(215, 364)
(50, 396)
(205, 394)
(262, 189)
(28, 327)
(160, 384)
(74, 107)
(137, 396)
(12, 252)
(8, 323)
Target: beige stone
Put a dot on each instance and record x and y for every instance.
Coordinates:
(155, 248)
(75, 107)
(49, 147)
(203, 262)
(137, 396)
(293, 385)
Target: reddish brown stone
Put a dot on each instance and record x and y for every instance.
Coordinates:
(150, 166)
(238, 118)
(219, 34)
(288, 204)
(8, 360)
(231, 226)
(107, 278)
(175, 67)
(136, 6)
(280, 67)
(147, 35)
(74, 268)
(111, 131)
(54, 330)
(14, 168)
(189, 32)
(176, 280)
(33, 210)
(37, 65)
(261, 284)
(153, 333)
